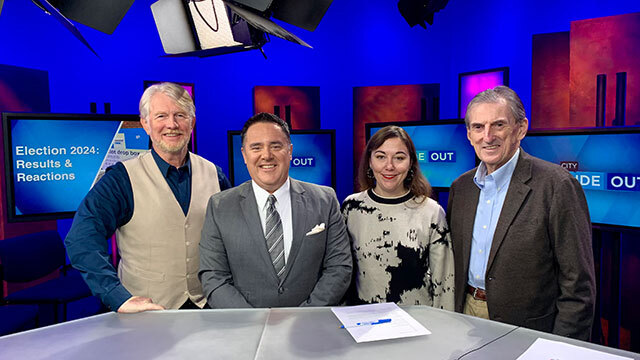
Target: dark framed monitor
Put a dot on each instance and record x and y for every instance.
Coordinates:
(442, 147)
(314, 157)
(472, 83)
(606, 163)
(53, 160)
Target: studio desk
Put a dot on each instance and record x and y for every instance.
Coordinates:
(285, 333)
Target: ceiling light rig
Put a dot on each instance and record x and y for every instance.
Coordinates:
(216, 27)
(196, 27)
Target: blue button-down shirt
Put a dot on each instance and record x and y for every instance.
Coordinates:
(178, 179)
(493, 190)
(108, 206)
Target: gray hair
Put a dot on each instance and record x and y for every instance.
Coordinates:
(172, 90)
(499, 94)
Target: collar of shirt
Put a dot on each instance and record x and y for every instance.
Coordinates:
(501, 176)
(282, 195)
(165, 166)
(387, 200)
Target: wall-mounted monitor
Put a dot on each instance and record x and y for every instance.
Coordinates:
(53, 160)
(443, 150)
(314, 157)
(472, 83)
(606, 163)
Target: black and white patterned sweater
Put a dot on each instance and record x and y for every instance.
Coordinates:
(402, 250)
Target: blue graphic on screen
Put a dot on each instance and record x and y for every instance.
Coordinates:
(135, 138)
(606, 165)
(443, 151)
(56, 161)
(311, 159)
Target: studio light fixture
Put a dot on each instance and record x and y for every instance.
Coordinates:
(102, 15)
(196, 27)
(416, 12)
(216, 27)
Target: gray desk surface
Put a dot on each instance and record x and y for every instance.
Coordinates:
(287, 333)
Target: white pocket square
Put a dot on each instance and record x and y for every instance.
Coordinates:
(316, 229)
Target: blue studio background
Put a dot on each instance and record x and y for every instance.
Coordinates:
(358, 43)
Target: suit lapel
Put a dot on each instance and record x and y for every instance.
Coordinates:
(251, 215)
(299, 220)
(516, 195)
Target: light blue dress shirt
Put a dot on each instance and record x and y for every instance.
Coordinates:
(493, 190)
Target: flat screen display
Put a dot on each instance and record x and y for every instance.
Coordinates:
(53, 160)
(313, 157)
(472, 83)
(606, 163)
(442, 147)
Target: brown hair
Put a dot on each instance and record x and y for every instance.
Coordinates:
(417, 184)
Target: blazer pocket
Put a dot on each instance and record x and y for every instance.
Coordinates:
(316, 236)
(316, 230)
(313, 245)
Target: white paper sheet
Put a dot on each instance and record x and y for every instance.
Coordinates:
(548, 349)
(363, 322)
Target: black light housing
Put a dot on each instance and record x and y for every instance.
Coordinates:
(102, 15)
(416, 12)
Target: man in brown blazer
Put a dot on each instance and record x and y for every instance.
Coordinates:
(520, 229)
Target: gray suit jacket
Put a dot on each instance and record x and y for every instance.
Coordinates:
(540, 272)
(235, 267)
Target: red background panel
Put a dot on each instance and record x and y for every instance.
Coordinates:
(550, 81)
(304, 102)
(375, 104)
(605, 45)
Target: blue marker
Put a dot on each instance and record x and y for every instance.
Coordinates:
(365, 323)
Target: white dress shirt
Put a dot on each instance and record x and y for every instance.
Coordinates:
(283, 206)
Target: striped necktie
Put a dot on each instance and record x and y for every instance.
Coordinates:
(275, 236)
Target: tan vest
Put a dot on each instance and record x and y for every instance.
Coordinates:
(159, 246)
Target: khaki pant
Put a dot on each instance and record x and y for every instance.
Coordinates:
(477, 308)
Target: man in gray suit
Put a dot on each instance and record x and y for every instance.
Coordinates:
(273, 241)
(520, 229)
